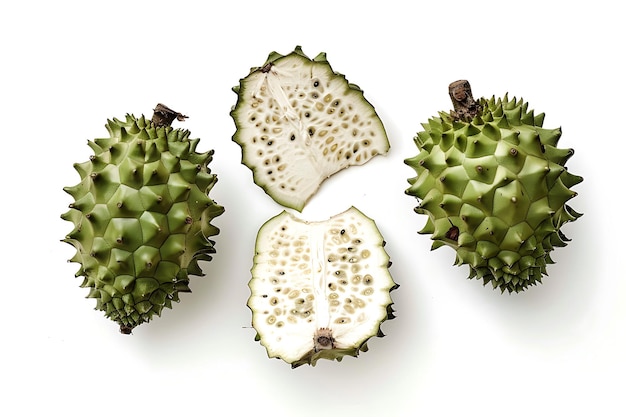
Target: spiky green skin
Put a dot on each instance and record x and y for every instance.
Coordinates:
(141, 216)
(501, 180)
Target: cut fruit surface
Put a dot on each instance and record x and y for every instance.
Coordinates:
(319, 289)
(299, 122)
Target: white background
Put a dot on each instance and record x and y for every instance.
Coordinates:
(455, 348)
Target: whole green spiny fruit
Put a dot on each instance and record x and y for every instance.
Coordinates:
(494, 186)
(142, 217)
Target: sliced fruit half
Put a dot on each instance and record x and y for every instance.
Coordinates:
(299, 122)
(319, 289)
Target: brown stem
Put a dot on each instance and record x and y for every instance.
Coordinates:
(125, 329)
(323, 339)
(164, 116)
(465, 107)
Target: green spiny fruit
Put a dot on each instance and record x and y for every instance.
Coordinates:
(319, 289)
(494, 186)
(299, 122)
(141, 216)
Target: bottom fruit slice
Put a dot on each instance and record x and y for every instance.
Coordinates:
(319, 289)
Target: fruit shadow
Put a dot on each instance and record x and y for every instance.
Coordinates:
(560, 311)
(213, 320)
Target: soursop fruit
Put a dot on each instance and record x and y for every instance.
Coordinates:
(319, 289)
(142, 217)
(298, 122)
(494, 186)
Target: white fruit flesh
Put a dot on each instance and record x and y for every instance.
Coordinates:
(313, 279)
(298, 123)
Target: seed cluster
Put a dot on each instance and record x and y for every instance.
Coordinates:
(291, 284)
(350, 282)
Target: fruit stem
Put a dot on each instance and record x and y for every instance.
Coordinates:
(465, 107)
(125, 329)
(164, 116)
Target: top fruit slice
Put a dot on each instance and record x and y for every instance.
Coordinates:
(299, 122)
